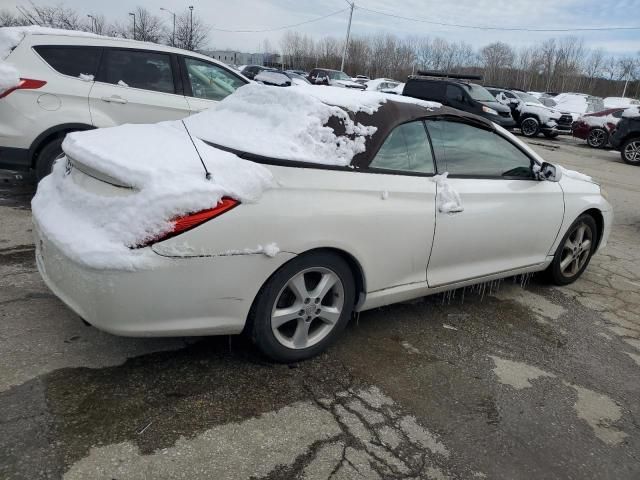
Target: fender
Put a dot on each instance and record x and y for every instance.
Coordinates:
(51, 132)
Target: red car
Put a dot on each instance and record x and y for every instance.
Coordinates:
(595, 128)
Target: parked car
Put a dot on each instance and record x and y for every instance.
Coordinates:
(335, 78)
(250, 71)
(361, 79)
(578, 103)
(76, 81)
(620, 102)
(626, 137)
(458, 92)
(225, 252)
(381, 84)
(532, 116)
(301, 73)
(596, 128)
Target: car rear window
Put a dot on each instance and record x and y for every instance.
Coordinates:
(71, 61)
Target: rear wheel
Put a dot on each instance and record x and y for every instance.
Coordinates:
(630, 151)
(303, 307)
(575, 251)
(48, 156)
(530, 127)
(597, 138)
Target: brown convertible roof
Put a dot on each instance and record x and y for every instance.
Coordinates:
(393, 113)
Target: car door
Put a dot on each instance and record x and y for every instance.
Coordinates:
(402, 169)
(136, 86)
(207, 83)
(455, 97)
(508, 220)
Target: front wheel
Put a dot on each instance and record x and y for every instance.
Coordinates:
(597, 138)
(530, 127)
(303, 307)
(630, 151)
(48, 156)
(575, 251)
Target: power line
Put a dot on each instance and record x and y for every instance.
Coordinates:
(478, 27)
(284, 27)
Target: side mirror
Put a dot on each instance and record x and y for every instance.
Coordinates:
(547, 171)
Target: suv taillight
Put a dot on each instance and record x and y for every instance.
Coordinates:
(25, 84)
(192, 220)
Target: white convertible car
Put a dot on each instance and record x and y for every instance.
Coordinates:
(280, 212)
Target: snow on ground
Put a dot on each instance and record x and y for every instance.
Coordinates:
(168, 180)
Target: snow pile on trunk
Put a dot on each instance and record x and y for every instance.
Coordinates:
(631, 112)
(447, 198)
(601, 122)
(167, 179)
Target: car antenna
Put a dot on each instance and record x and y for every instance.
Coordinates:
(207, 173)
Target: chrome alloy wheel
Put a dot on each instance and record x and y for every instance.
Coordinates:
(596, 138)
(632, 152)
(576, 250)
(529, 127)
(307, 308)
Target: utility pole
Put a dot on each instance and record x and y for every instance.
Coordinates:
(134, 24)
(624, 91)
(346, 43)
(173, 35)
(94, 26)
(191, 28)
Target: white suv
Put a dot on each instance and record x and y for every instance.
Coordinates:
(71, 82)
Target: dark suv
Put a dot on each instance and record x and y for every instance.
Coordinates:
(626, 137)
(457, 92)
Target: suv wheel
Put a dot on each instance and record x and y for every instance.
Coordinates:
(49, 154)
(530, 127)
(597, 138)
(630, 151)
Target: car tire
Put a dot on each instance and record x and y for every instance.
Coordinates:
(551, 134)
(573, 254)
(51, 152)
(630, 151)
(597, 138)
(530, 127)
(295, 316)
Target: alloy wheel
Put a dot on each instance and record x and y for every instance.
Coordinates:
(632, 152)
(529, 127)
(307, 308)
(576, 250)
(596, 138)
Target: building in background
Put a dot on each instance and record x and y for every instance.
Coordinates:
(233, 57)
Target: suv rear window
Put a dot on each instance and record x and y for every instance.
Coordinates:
(138, 69)
(71, 61)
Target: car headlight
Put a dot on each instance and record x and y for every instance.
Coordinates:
(604, 193)
(489, 110)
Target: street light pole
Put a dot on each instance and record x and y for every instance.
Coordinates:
(191, 28)
(93, 24)
(134, 24)
(173, 35)
(346, 43)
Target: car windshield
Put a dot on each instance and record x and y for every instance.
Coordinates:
(526, 97)
(333, 75)
(479, 93)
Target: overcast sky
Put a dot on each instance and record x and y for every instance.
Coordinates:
(265, 14)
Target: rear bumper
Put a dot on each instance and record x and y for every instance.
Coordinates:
(178, 297)
(15, 158)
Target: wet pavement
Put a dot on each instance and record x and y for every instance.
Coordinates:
(513, 382)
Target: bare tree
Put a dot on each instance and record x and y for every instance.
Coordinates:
(190, 35)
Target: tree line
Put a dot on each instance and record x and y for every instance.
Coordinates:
(190, 30)
(554, 65)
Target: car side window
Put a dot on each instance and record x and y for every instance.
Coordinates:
(407, 149)
(139, 69)
(464, 149)
(454, 94)
(72, 61)
(210, 81)
(617, 114)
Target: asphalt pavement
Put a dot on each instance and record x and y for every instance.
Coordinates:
(517, 380)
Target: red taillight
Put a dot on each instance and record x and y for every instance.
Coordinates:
(192, 220)
(25, 84)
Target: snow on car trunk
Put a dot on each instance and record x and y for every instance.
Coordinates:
(98, 224)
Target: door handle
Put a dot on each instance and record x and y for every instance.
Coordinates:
(451, 210)
(114, 99)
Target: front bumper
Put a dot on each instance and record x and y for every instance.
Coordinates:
(178, 297)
